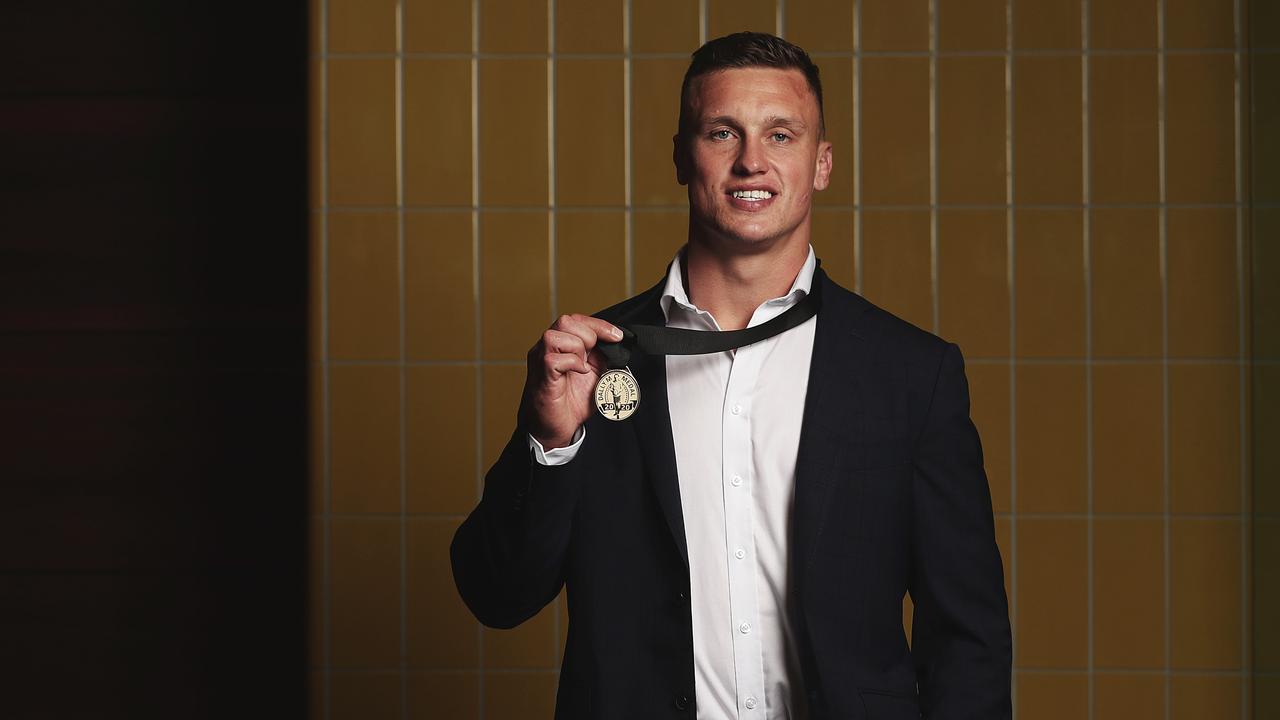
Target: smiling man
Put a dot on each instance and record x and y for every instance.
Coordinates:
(738, 474)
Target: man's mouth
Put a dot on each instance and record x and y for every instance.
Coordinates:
(752, 194)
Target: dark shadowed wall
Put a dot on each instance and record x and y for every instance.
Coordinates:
(1264, 145)
(153, 281)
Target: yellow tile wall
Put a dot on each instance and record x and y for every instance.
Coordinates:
(1059, 186)
(1262, 286)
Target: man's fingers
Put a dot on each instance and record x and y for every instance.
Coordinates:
(588, 329)
(559, 341)
(569, 345)
(561, 363)
(606, 331)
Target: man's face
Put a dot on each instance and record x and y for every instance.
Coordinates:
(752, 156)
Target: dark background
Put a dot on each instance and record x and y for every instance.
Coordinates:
(153, 271)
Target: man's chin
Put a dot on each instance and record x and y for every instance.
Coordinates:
(748, 241)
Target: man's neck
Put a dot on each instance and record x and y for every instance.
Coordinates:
(731, 286)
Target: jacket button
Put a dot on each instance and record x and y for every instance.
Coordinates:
(682, 702)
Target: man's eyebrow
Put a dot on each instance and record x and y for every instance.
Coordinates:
(771, 121)
(721, 120)
(787, 122)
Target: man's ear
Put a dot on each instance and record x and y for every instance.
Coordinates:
(681, 160)
(822, 174)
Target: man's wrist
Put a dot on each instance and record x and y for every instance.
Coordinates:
(556, 443)
(557, 455)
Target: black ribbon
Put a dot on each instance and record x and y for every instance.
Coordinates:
(660, 340)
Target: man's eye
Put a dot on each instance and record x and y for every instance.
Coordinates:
(781, 137)
(721, 134)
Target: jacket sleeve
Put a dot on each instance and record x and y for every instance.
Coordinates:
(509, 554)
(961, 641)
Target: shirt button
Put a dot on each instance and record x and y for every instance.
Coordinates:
(736, 410)
(737, 481)
(750, 703)
(740, 553)
(744, 628)
(682, 702)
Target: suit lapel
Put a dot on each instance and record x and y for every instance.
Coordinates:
(831, 401)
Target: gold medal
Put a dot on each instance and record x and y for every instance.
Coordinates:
(617, 394)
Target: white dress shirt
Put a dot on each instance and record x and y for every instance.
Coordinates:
(735, 419)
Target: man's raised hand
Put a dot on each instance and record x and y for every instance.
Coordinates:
(563, 369)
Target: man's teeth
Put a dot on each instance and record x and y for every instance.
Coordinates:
(752, 194)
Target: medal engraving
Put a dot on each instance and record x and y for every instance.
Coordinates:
(617, 394)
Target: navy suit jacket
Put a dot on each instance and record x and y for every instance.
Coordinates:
(890, 498)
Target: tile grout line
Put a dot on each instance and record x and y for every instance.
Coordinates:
(933, 163)
(1246, 524)
(856, 30)
(326, 599)
(1085, 241)
(659, 208)
(979, 360)
(780, 18)
(1081, 515)
(478, 343)
(628, 165)
(1013, 365)
(428, 363)
(1195, 672)
(552, 72)
(1162, 224)
(402, 371)
(703, 20)
(821, 54)
(552, 246)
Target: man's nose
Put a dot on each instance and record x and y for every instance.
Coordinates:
(751, 159)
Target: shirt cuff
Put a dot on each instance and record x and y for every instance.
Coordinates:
(558, 456)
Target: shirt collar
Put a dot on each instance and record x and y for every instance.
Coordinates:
(674, 293)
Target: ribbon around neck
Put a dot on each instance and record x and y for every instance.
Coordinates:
(661, 340)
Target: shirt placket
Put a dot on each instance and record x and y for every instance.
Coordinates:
(739, 477)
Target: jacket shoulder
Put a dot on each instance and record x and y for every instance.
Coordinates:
(634, 306)
(897, 335)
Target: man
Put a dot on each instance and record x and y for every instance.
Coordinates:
(740, 546)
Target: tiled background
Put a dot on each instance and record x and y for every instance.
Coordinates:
(1060, 186)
